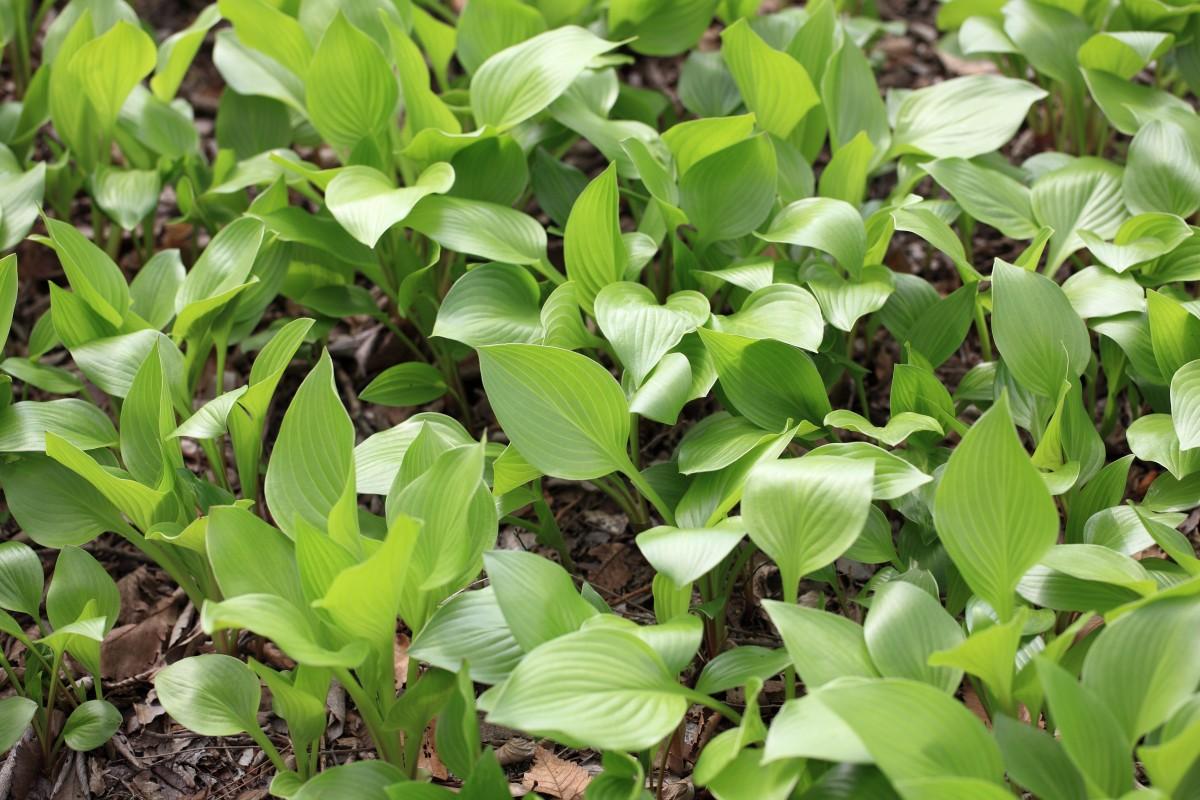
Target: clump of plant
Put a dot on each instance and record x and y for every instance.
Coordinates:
(55, 689)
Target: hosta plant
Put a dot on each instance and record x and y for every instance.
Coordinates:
(57, 693)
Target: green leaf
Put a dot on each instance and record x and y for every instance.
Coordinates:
(594, 253)
(154, 288)
(640, 330)
(470, 630)
(904, 627)
(661, 29)
(21, 578)
(15, 715)
(897, 429)
(492, 304)
(767, 381)
(109, 66)
(536, 596)
(91, 724)
(271, 31)
(1042, 339)
(832, 226)
(366, 203)
(962, 117)
(909, 729)
(563, 411)
(92, 274)
(729, 193)
(988, 195)
(806, 512)
(520, 81)
(994, 537)
(136, 500)
(779, 311)
(1152, 437)
(739, 666)
(223, 266)
(1174, 332)
(893, 476)
(1123, 53)
(24, 425)
(988, 653)
(213, 695)
(686, 554)
(176, 52)
(312, 461)
(276, 619)
(1090, 734)
(1163, 170)
(351, 91)
(449, 497)
(411, 384)
(1084, 195)
(493, 25)
(483, 229)
(823, 646)
(581, 688)
(247, 555)
(1185, 404)
(128, 196)
(363, 600)
(53, 504)
(1037, 761)
(1143, 666)
(775, 87)
(1138, 240)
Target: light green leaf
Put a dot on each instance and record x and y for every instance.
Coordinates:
(897, 429)
(1089, 732)
(24, 425)
(831, 226)
(128, 196)
(1152, 437)
(92, 274)
(470, 629)
(769, 382)
(994, 537)
(775, 87)
(729, 193)
(91, 724)
(602, 687)
(806, 512)
(483, 229)
(491, 304)
(15, 715)
(1185, 404)
(780, 311)
(213, 695)
(1084, 195)
(686, 554)
(365, 202)
(278, 620)
(21, 578)
(312, 461)
(520, 81)
(823, 646)
(563, 411)
(537, 597)
(351, 91)
(988, 195)
(962, 117)
(640, 330)
(903, 628)
(988, 653)
(1163, 170)
(1042, 339)
(176, 52)
(592, 247)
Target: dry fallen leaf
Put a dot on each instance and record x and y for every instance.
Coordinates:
(556, 777)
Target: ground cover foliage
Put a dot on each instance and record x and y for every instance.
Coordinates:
(890, 398)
